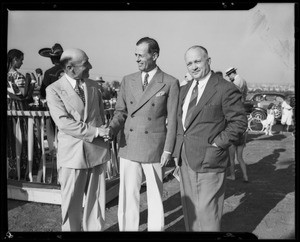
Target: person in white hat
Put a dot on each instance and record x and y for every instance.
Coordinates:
(238, 81)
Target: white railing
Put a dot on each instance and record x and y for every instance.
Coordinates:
(41, 120)
(38, 124)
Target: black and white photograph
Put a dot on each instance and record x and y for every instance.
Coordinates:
(147, 118)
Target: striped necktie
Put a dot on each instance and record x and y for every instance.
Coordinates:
(145, 81)
(79, 90)
(192, 104)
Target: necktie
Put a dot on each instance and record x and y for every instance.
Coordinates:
(192, 104)
(79, 91)
(145, 81)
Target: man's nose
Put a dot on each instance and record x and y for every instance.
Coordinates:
(194, 67)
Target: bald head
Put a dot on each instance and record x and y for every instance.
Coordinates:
(198, 48)
(73, 55)
(75, 63)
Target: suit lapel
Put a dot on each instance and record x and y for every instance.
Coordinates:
(89, 96)
(207, 94)
(183, 92)
(182, 95)
(136, 86)
(71, 96)
(154, 86)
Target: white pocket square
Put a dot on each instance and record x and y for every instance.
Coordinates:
(161, 93)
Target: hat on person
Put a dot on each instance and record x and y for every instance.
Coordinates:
(230, 70)
(56, 50)
(99, 79)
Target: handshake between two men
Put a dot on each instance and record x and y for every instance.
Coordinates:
(105, 133)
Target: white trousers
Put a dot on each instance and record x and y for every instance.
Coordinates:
(75, 183)
(129, 195)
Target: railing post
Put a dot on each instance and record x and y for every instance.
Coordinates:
(18, 136)
(43, 147)
(30, 146)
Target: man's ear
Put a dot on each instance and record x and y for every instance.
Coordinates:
(69, 67)
(209, 60)
(155, 56)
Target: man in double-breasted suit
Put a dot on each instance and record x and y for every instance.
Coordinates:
(210, 117)
(76, 107)
(146, 112)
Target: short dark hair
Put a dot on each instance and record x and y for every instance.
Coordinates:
(13, 53)
(152, 44)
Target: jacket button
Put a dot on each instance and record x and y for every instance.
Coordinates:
(153, 104)
(149, 119)
(131, 102)
(146, 132)
(131, 130)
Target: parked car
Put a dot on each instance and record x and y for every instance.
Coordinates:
(257, 105)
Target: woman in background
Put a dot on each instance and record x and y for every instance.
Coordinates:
(238, 149)
(270, 120)
(19, 87)
(287, 113)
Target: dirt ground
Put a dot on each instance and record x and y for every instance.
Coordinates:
(264, 207)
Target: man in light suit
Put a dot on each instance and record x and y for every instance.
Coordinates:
(142, 111)
(82, 154)
(210, 118)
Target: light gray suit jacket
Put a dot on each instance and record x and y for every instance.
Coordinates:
(77, 147)
(143, 115)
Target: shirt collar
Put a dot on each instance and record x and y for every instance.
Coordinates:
(151, 73)
(203, 81)
(72, 81)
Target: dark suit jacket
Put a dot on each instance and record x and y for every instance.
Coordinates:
(218, 117)
(51, 75)
(143, 115)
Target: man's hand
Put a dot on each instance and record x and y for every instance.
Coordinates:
(104, 132)
(165, 158)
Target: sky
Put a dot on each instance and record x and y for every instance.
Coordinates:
(258, 42)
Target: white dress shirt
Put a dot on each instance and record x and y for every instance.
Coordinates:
(73, 82)
(201, 86)
(151, 74)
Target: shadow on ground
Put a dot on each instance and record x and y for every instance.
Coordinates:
(271, 180)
